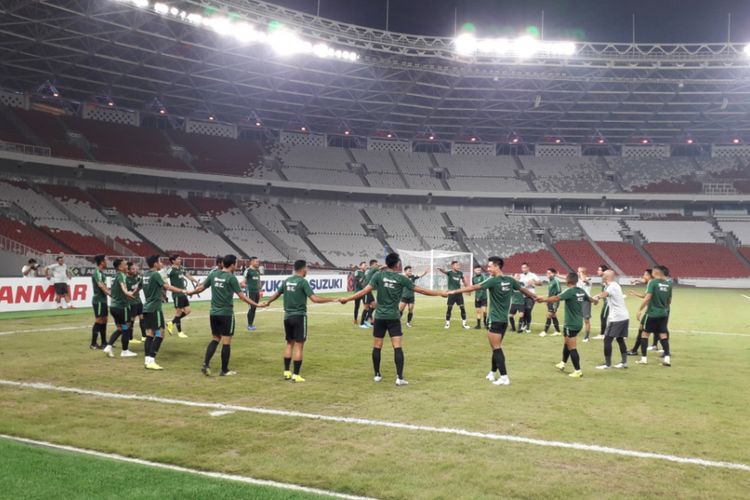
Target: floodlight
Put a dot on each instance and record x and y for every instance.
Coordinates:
(466, 44)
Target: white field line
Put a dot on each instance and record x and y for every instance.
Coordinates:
(177, 468)
(748, 298)
(329, 313)
(382, 423)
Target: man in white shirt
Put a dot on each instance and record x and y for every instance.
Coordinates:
(618, 321)
(529, 281)
(60, 275)
(30, 269)
(584, 283)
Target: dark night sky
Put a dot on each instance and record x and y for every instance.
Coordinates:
(592, 20)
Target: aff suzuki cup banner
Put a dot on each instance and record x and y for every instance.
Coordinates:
(38, 294)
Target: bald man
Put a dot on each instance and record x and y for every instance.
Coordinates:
(618, 321)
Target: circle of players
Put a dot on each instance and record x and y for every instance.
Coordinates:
(383, 293)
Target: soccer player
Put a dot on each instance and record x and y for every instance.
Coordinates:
(368, 301)
(389, 284)
(359, 277)
(252, 289)
(296, 290)
(60, 275)
(120, 311)
(456, 280)
(153, 317)
(529, 281)
(552, 289)
(603, 268)
(99, 303)
(499, 289)
(135, 284)
(647, 276)
(407, 299)
(584, 283)
(480, 297)
(574, 298)
(618, 320)
(177, 276)
(30, 269)
(657, 302)
(224, 285)
(517, 305)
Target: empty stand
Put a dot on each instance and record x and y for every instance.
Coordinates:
(579, 253)
(674, 231)
(626, 256)
(698, 260)
(49, 129)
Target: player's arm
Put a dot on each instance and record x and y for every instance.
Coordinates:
(644, 304)
(593, 300)
(424, 273)
(47, 273)
(247, 300)
(367, 289)
(465, 289)
(125, 290)
(549, 300)
(431, 293)
(193, 280)
(441, 270)
(174, 289)
(527, 293)
(321, 300)
(636, 294)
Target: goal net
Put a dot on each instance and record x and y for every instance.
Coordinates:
(431, 260)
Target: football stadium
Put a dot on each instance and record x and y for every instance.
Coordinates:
(374, 249)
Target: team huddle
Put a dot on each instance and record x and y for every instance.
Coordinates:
(383, 293)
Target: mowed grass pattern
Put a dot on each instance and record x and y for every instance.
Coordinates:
(697, 408)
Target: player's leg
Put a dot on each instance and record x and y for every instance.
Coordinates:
(570, 342)
(462, 308)
(664, 337)
(227, 329)
(644, 342)
(410, 314)
(357, 303)
(449, 310)
(300, 336)
(401, 306)
(394, 330)
(378, 333)
(495, 337)
(155, 323)
(116, 313)
(255, 296)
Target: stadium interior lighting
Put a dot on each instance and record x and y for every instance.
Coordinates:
(736, 140)
(522, 47)
(600, 140)
(689, 140)
(346, 132)
(747, 49)
(211, 118)
(644, 141)
(280, 39)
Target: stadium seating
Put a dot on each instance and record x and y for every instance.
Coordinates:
(561, 175)
(221, 155)
(602, 229)
(560, 228)
(315, 157)
(741, 229)
(538, 262)
(579, 253)
(674, 231)
(8, 131)
(698, 260)
(271, 217)
(49, 129)
(626, 256)
(30, 236)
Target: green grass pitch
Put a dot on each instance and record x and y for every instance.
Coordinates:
(697, 408)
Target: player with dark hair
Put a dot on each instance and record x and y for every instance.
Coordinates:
(153, 317)
(574, 298)
(529, 281)
(368, 300)
(499, 289)
(618, 320)
(134, 283)
(358, 279)
(456, 280)
(252, 289)
(296, 290)
(224, 285)
(177, 276)
(480, 297)
(647, 276)
(657, 303)
(552, 289)
(407, 298)
(120, 311)
(99, 303)
(389, 285)
(517, 306)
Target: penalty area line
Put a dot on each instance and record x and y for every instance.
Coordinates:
(176, 468)
(384, 424)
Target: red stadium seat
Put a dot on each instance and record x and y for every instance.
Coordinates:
(698, 260)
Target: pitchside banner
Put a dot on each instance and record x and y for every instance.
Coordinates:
(37, 294)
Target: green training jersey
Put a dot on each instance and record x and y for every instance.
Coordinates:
(359, 278)
(517, 297)
(295, 290)
(177, 279)
(153, 284)
(478, 279)
(119, 299)
(223, 286)
(554, 287)
(661, 296)
(252, 280)
(408, 293)
(368, 275)
(574, 298)
(99, 296)
(133, 283)
(499, 289)
(455, 279)
(389, 287)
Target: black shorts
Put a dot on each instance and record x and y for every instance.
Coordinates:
(61, 289)
(515, 309)
(407, 300)
(100, 310)
(368, 299)
(121, 315)
(136, 309)
(457, 299)
(570, 333)
(553, 307)
(480, 302)
(254, 296)
(617, 329)
(528, 303)
(295, 328)
(153, 320)
(180, 301)
(391, 326)
(222, 326)
(498, 328)
(656, 325)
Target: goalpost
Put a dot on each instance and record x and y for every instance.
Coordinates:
(430, 260)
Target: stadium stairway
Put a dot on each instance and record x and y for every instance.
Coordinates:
(277, 242)
(458, 236)
(216, 227)
(608, 168)
(611, 263)
(414, 229)
(638, 242)
(550, 246)
(731, 242)
(524, 174)
(303, 235)
(398, 169)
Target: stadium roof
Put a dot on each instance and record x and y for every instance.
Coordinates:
(400, 84)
